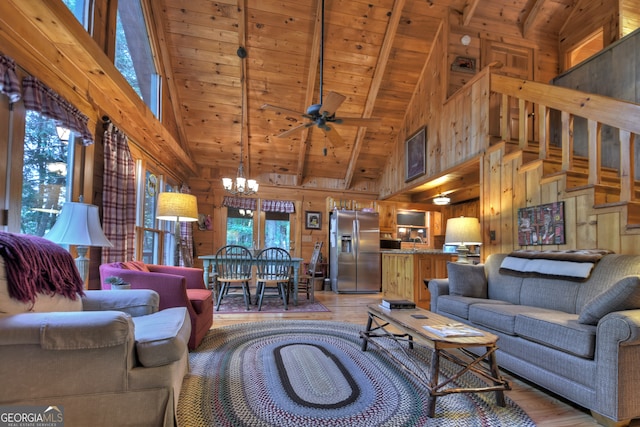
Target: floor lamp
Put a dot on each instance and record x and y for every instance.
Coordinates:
(461, 232)
(178, 207)
(79, 224)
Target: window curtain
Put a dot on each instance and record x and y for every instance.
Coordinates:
(9, 83)
(240, 203)
(119, 197)
(186, 237)
(38, 97)
(284, 206)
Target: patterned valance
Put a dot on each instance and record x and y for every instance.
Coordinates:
(39, 97)
(240, 203)
(9, 83)
(284, 206)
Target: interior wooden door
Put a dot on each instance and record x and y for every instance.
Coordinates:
(517, 61)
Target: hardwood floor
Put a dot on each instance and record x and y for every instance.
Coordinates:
(543, 408)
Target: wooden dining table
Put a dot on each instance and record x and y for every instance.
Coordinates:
(208, 264)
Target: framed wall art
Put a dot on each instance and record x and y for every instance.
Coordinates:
(313, 220)
(541, 225)
(415, 149)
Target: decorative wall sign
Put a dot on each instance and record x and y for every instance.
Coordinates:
(465, 65)
(541, 225)
(415, 149)
(313, 220)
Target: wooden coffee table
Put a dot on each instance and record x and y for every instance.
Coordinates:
(405, 328)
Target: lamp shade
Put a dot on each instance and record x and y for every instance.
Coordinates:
(177, 207)
(463, 231)
(78, 224)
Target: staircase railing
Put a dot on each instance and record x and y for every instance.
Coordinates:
(599, 111)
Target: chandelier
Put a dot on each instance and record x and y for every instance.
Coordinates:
(241, 186)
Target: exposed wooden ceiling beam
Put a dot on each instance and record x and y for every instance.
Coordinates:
(383, 58)
(461, 187)
(468, 11)
(531, 18)
(311, 87)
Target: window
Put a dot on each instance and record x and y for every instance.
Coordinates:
(80, 9)
(134, 57)
(239, 227)
(276, 230)
(48, 162)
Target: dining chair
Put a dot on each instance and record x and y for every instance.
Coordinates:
(233, 264)
(273, 271)
(306, 280)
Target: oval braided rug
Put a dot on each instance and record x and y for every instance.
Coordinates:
(313, 373)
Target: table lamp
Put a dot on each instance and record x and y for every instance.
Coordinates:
(463, 231)
(178, 207)
(79, 224)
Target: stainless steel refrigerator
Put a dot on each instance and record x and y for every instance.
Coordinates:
(354, 251)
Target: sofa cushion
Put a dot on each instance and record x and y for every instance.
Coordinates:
(162, 337)
(467, 280)
(459, 306)
(134, 265)
(200, 299)
(625, 294)
(43, 302)
(558, 330)
(500, 317)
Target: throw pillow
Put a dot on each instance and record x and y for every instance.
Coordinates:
(467, 280)
(624, 295)
(135, 266)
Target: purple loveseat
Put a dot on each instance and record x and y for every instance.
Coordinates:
(177, 287)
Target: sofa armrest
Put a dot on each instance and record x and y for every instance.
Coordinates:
(136, 302)
(193, 276)
(67, 330)
(619, 328)
(437, 287)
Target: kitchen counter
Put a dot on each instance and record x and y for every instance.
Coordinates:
(404, 272)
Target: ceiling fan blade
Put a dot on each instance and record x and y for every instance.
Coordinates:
(333, 136)
(292, 130)
(281, 110)
(356, 121)
(331, 103)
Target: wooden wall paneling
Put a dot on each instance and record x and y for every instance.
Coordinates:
(608, 234)
(508, 220)
(586, 223)
(519, 199)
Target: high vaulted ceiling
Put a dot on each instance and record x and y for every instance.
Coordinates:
(374, 54)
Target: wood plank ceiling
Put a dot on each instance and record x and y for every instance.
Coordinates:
(374, 54)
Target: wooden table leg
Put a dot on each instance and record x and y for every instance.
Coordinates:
(495, 371)
(365, 335)
(433, 379)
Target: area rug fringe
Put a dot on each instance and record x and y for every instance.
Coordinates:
(309, 373)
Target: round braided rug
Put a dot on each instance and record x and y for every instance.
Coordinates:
(313, 373)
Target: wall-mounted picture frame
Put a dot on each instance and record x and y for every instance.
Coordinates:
(541, 225)
(313, 220)
(415, 151)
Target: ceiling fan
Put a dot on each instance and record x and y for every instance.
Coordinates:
(323, 114)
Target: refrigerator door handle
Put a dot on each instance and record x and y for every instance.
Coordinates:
(356, 237)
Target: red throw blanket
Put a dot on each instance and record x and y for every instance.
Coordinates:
(36, 265)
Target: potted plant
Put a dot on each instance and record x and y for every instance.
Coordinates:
(117, 283)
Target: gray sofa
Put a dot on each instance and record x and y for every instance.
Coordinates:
(116, 362)
(577, 337)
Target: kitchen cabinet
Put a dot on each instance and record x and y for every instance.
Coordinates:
(403, 274)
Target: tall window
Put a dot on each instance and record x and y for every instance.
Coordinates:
(134, 57)
(48, 163)
(239, 227)
(277, 230)
(150, 232)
